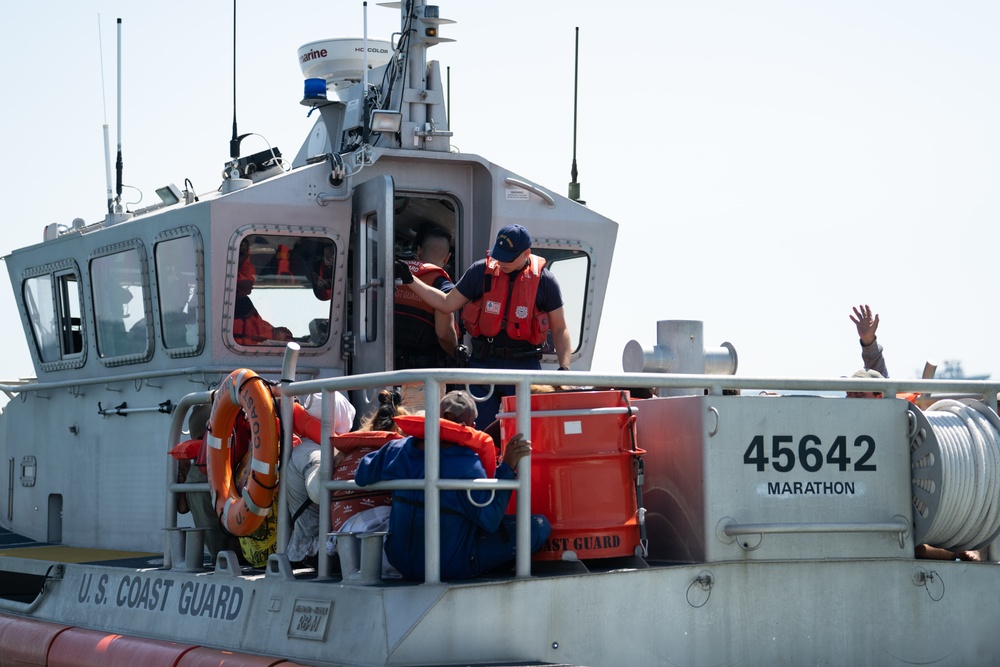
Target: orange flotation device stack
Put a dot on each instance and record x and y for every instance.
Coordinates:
(242, 512)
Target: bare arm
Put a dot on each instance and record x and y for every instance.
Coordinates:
(444, 327)
(560, 337)
(436, 299)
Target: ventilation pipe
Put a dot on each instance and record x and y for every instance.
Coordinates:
(680, 348)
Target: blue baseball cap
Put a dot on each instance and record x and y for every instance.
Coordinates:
(512, 240)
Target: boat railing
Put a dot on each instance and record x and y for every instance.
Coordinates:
(204, 374)
(432, 381)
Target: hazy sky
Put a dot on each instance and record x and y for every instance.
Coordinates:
(770, 163)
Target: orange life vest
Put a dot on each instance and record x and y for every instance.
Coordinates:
(186, 450)
(283, 268)
(247, 271)
(418, 333)
(457, 434)
(249, 328)
(253, 330)
(486, 316)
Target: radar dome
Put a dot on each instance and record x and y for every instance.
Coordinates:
(340, 62)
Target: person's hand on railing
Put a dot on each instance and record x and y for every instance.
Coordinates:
(516, 449)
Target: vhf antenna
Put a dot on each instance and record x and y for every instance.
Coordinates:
(118, 163)
(107, 137)
(574, 186)
(234, 143)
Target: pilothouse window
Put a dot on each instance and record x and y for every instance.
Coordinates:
(572, 270)
(284, 286)
(70, 323)
(119, 304)
(52, 301)
(179, 296)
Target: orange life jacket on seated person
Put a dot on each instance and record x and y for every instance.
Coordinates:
(486, 316)
(457, 434)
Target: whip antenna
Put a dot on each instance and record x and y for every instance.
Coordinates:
(107, 137)
(234, 143)
(364, 67)
(118, 163)
(574, 186)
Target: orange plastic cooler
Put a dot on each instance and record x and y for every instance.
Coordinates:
(582, 473)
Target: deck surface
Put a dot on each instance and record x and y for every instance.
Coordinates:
(19, 546)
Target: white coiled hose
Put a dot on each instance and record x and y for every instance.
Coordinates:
(968, 513)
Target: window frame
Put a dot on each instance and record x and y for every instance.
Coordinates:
(199, 300)
(106, 251)
(232, 270)
(57, 272)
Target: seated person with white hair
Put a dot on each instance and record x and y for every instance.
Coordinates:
(871, 375)
(303, 483)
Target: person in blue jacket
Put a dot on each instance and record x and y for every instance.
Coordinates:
(474, 540)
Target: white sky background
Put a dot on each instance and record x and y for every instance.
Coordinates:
(770, 163)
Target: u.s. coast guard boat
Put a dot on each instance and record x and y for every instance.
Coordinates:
(715, 523)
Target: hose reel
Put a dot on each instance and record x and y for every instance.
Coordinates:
(955, 473)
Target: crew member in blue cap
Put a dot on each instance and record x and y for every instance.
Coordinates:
(510, 305)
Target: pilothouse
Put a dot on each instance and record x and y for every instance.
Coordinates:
(131, 313)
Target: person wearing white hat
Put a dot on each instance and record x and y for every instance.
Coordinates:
(302, 479)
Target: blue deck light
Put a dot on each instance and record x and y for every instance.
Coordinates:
(315, 90)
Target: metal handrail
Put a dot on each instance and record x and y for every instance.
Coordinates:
(432, 484)
(34, 385)
(52, 575)
(579, 412)
(814, 527)
(433, 379)
(899, 526)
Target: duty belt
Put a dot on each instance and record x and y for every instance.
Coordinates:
(421, 360)
(483, 348)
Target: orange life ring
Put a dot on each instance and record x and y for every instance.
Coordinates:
(243, 512)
